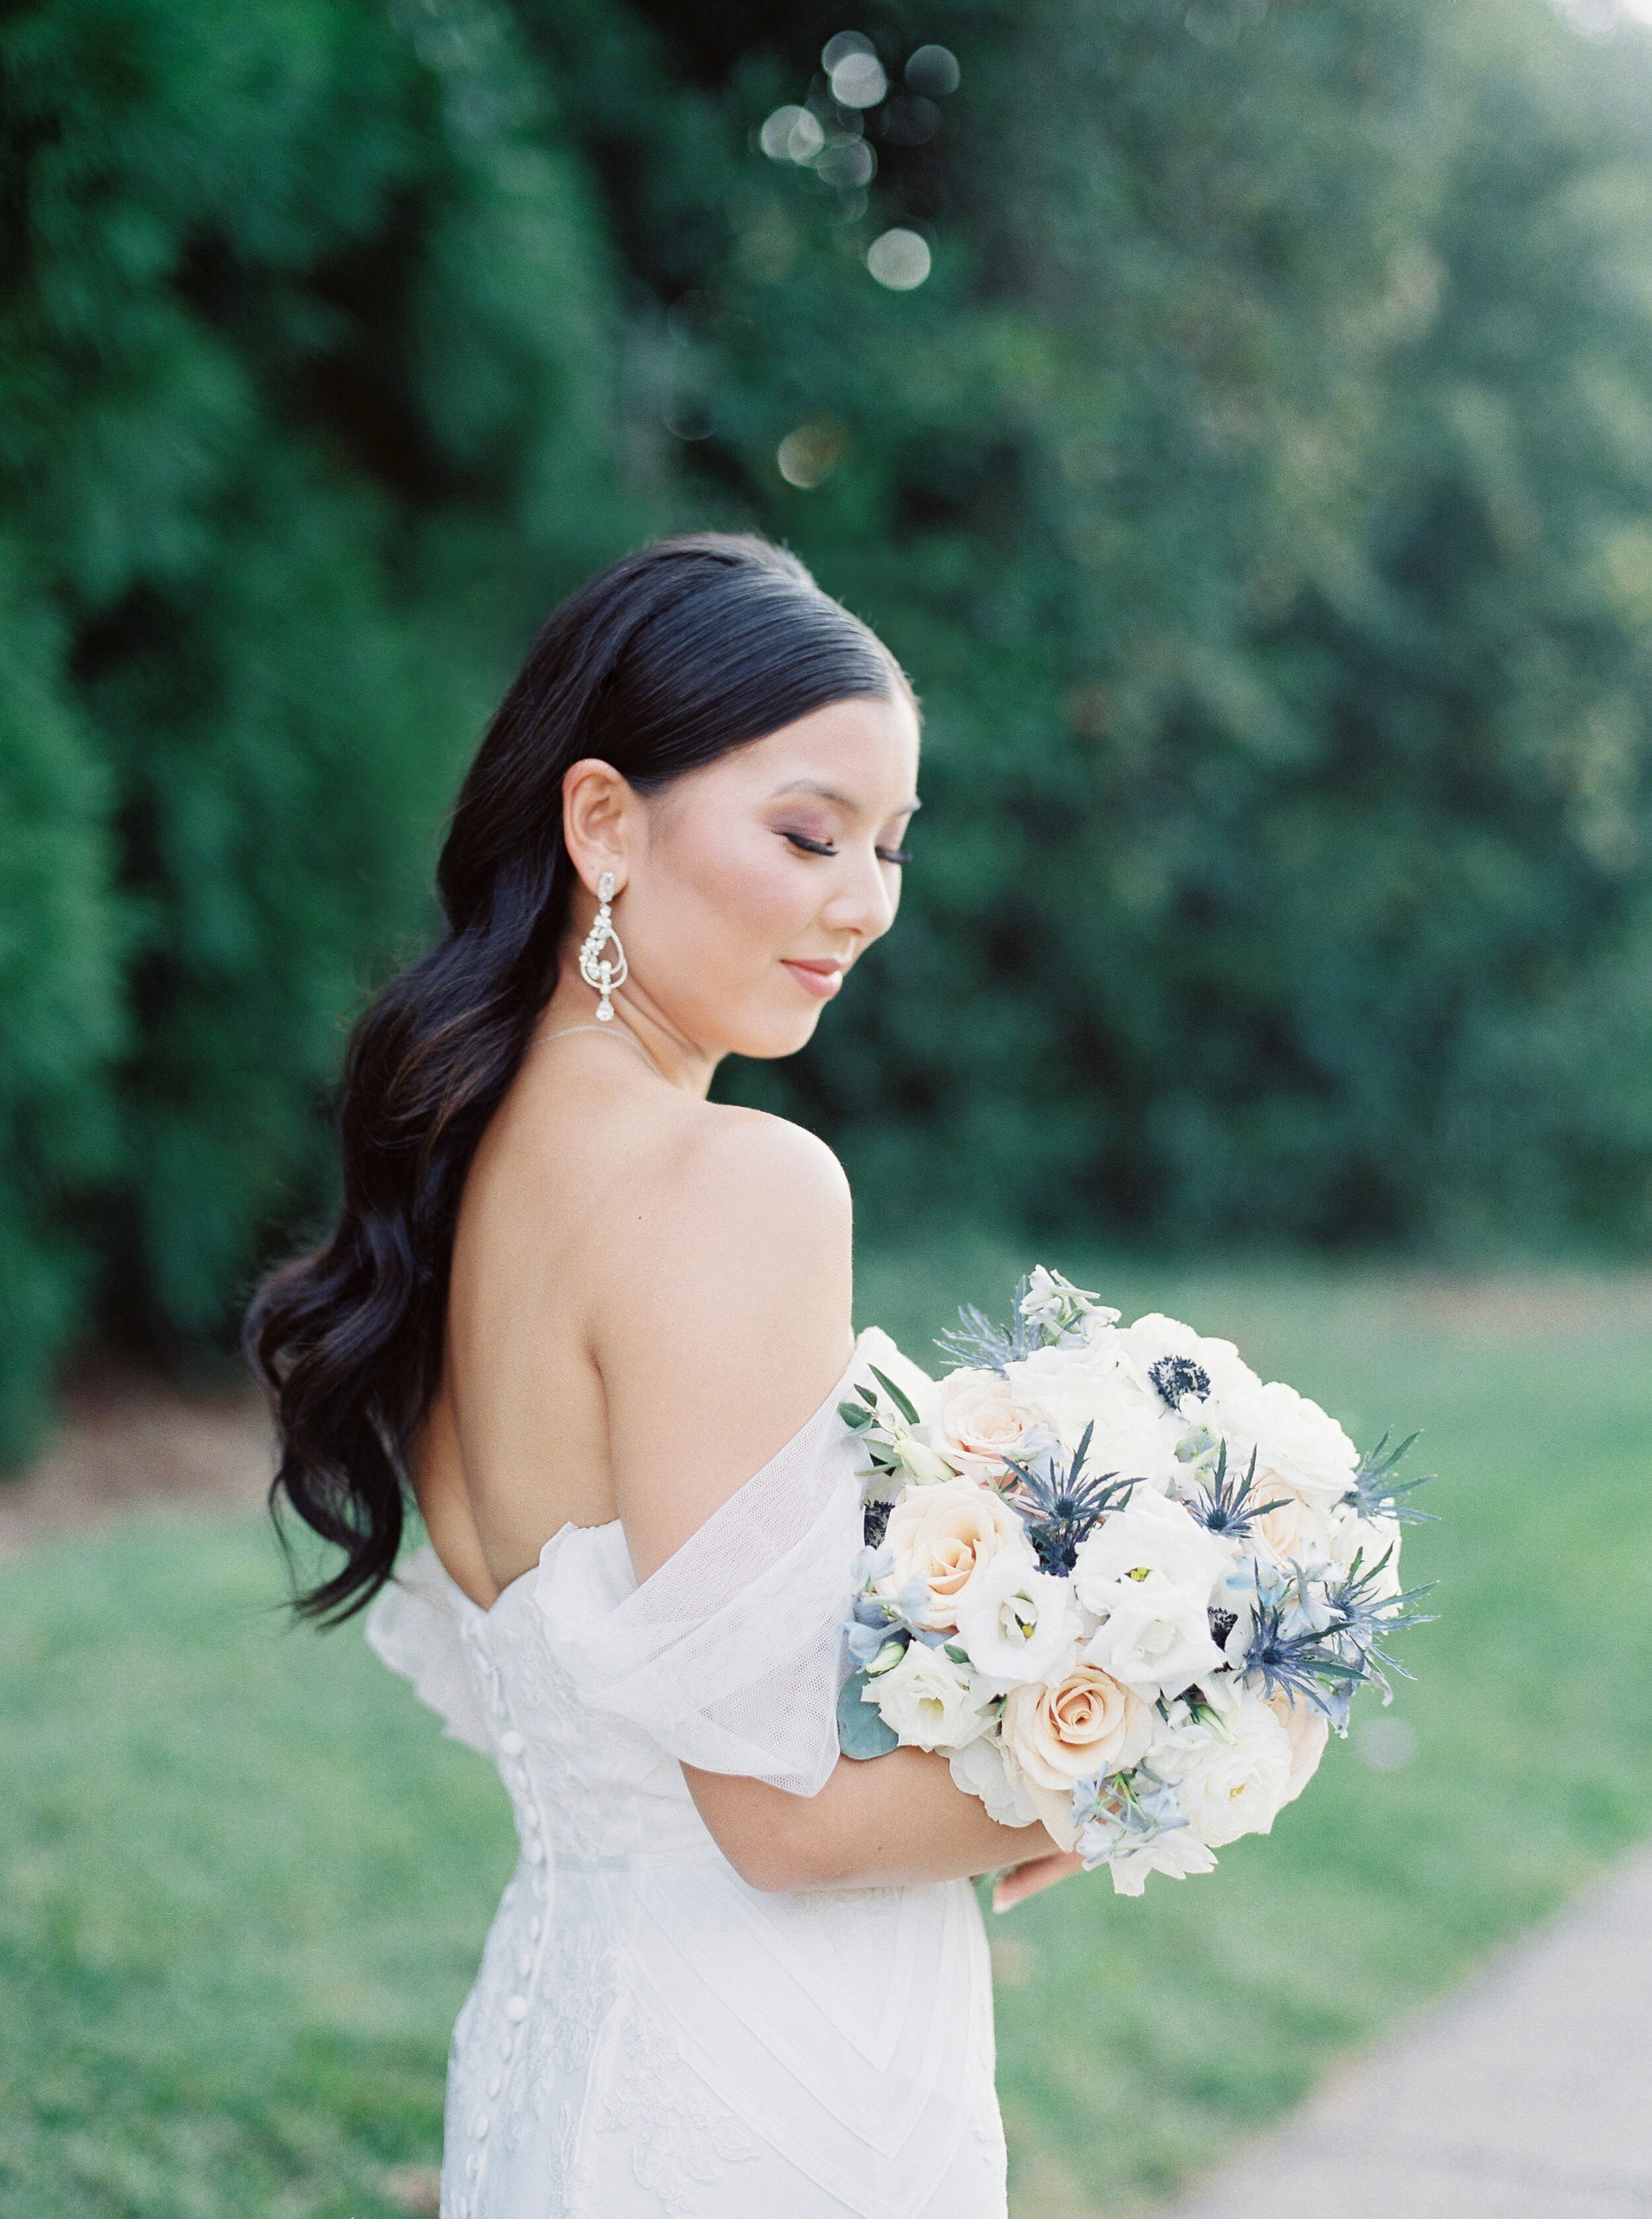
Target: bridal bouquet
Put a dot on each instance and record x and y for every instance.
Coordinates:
(1126, 1586)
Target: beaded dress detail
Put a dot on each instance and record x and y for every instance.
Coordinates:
(648, 2037)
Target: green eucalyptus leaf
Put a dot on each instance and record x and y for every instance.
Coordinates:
(860, 1729)
(903, 1403)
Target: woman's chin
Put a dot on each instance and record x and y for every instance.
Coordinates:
(766, 1039)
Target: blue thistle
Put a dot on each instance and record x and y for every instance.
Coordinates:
(1326, 1662)
(1062, 1508)
(1225, 1507)
(1375, 1492)
(978, 1344)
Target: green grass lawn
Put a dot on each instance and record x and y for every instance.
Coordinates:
(244, 1882)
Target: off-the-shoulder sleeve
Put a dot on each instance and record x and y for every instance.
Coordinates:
(729, 1656)
(413, 1628)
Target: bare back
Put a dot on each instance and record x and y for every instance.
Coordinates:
(650, 1293)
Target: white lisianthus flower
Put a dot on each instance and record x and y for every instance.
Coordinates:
(980, 1421)
(1150, 1533)
(981, 1769)
(1147, 1572)
(1230, 1783)
(1179, 1367)
(1017, 1623)
(1350, 1535)
(1175, 1854)
(1297, 1444)
(1155, 1637)
(945, 1535)
(930, 1700)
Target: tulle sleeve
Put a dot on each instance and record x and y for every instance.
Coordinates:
(729, 1656)
(413, 1628)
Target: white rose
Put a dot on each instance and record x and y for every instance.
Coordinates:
(1176, 1365)
(980, 1421)
(979, 1769)
(1132, 1434)
(946, 1535)
(928, 1700)
(1017, 1623)
(1150, 1533)
(1295, 1442)
(1154, 1637)
(1228, 1787)
(1307, 1729)
(1175, 1854)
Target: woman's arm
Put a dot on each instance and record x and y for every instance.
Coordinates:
(720, 1324)
(884, 1822)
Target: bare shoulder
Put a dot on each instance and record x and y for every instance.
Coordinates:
(729, 1290)
(743, 1162)
(729, 1208)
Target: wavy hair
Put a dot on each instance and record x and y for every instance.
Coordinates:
(666, 660)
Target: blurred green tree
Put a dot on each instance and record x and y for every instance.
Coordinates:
(1250, 453)
(307, 407)
(1259, 490)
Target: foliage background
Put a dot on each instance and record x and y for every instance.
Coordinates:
(1260, 490)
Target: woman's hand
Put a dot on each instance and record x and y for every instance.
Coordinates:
(1024, 1880)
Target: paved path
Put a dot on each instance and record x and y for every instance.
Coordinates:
(1527, 2096)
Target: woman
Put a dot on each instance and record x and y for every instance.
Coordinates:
(599, 1325)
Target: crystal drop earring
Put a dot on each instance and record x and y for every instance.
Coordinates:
(596, 970)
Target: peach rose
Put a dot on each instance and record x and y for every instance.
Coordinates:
(946, 1535)
(1083, 1723)
(980, 1420)
(1308, 1730)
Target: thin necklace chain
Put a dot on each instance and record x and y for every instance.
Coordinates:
(605, 1033)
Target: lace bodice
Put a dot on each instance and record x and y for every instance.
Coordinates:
(648, 2036)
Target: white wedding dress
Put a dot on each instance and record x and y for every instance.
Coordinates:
(649, 2038)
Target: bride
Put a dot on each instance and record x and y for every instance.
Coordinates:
(598, 1327)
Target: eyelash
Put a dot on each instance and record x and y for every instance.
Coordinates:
(900, 856)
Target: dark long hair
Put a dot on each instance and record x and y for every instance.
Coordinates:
(666, 662)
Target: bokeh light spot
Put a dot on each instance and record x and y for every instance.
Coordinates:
(807, 457)
(899, 259)
(848, 163)
(933, 71)
(859, 82)
(791, 134)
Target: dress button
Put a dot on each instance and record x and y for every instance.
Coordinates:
(531, 1816)
(507, 2044)
(534, 1852)
(511, 1744)
(533, 1929)
(479, 2125)
(516, 2008)
(496, 2084)
(525, 1967)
